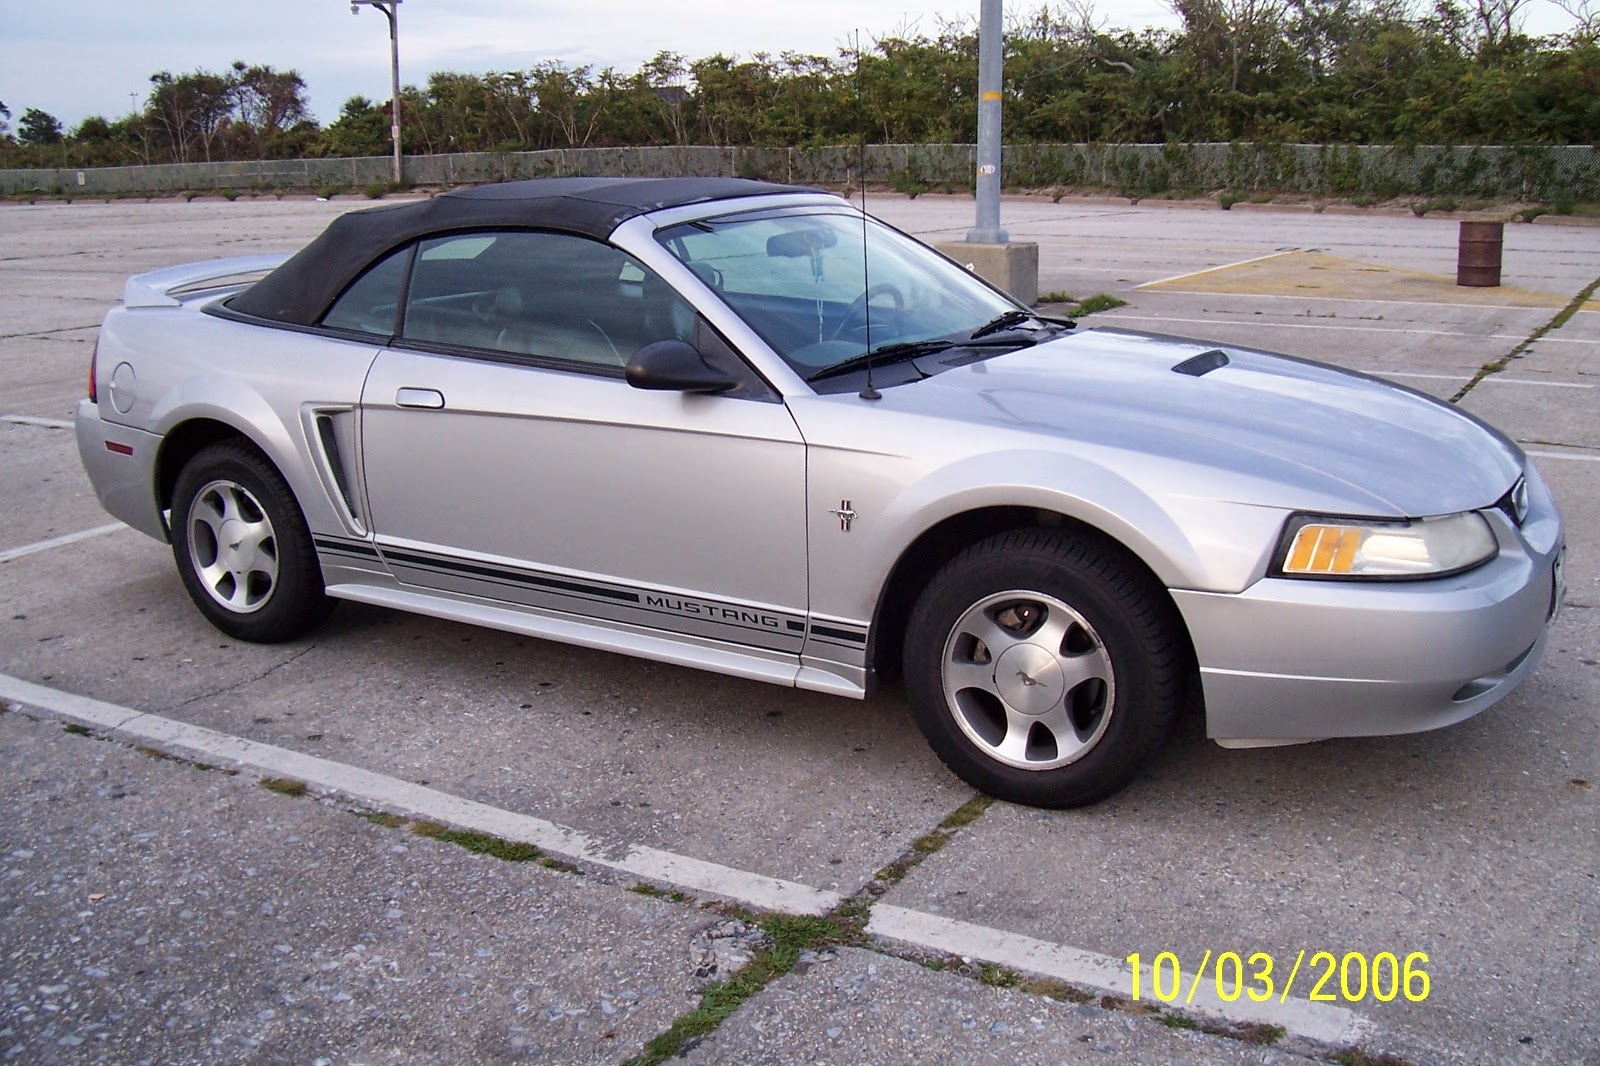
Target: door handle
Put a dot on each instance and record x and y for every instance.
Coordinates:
(429, 398)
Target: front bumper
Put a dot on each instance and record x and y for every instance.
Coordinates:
(121, 464)
(1295, 659)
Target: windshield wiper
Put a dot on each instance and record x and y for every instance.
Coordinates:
(1003, 321)
(904, 350)
(1016, 318)
(888, 353)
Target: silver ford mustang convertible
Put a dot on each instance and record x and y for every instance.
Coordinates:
(743, 427)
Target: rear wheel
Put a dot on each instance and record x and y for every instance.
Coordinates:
(242, 546)
(1043, 668)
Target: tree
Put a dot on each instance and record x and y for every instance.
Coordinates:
(38, 127)
(191, 110)
(265, 103)
(361, 129)
(5, 122)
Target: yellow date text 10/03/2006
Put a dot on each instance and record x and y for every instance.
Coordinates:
(1350, 978)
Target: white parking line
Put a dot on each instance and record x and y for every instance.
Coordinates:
(1348, 326)
(1330, 1024)
(30, 420)
(59, 542)
(1492, 379)
(391, 793)
(1353, 299)
(1565, 455)
(1315, 1021)
(1213, 270)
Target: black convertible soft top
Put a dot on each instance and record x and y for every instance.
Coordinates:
(303, 287)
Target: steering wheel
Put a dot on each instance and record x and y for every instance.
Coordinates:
(858, 307)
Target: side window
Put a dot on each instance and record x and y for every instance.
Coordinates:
(372, 302)
(549, 295)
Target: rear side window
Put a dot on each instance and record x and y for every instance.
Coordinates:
(554, 297)
(371, 304)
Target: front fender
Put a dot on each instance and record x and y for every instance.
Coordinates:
(1187, 541)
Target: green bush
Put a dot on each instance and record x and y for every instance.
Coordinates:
(905, 181)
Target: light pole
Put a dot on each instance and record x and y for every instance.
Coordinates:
(990, 56)
(988, 250)
(390, 8)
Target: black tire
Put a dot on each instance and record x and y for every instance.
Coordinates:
(1087, 683)
(266, 586)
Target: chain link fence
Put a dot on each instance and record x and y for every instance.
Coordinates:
(1382, 171)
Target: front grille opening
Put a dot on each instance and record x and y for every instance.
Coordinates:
(1515, 502)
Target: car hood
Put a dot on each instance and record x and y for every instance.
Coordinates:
(1296, 433)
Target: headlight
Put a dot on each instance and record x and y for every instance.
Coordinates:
(1318, 546)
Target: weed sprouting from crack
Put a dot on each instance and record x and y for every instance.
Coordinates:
(929, 843)
(1357, 1057)
(74, 729)
(791, 934)
(844, 925)
(645, 888)
(1258, 1033)
(560, 867)
(284, 786)
(967, 813)
(998, 976)
(1561, 318)
(480, 843)
(1052, 988)
(382, 818)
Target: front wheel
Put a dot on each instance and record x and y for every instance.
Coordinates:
(242, 546)
(1043, 668)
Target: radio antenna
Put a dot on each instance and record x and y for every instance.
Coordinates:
(867, 393)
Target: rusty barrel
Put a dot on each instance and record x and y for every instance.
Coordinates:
(1478, 256)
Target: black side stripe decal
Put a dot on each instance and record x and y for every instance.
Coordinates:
(854, 639)
(511, 575)
(350, 547)
(844, 635)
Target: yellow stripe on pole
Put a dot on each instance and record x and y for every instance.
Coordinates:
(989, 96)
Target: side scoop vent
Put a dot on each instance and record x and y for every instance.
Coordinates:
(1202, 364)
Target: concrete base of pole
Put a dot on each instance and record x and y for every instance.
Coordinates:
(1013, 267)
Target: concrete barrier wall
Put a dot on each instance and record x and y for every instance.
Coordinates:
(1526, 173)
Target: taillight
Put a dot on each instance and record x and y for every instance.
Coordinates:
(94, 363)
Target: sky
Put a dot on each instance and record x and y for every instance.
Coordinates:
(74, 58)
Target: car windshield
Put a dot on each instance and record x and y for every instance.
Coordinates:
(801, 281)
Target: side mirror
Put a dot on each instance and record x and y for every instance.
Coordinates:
(674, 366)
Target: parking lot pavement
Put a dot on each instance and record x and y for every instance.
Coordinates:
(860, 1007)
(1477, 844)
(756, 776)
(158, 913)
(41, 467)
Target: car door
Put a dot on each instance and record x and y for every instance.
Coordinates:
(507, 458)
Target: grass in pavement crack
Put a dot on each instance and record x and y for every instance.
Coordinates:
(791, 934)
(1562, 317)
(927, 844)
(846, 924)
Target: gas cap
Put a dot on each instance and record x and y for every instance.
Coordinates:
(124, 388)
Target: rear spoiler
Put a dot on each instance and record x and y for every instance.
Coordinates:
(155, 289)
